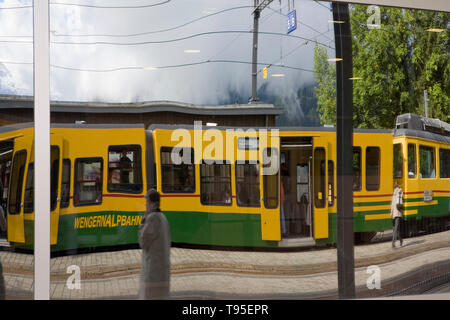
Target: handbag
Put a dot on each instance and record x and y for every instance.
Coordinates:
(400, 202)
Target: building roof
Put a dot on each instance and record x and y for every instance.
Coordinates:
(20, 102)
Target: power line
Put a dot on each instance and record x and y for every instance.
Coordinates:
(156, 68)
(180, 39)
(169, 41)
(16, 7)
(286, 55)
(174, 66)
(110, 7)
(321, 33)
(237, 37)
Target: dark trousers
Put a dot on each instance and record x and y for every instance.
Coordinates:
(396, 234)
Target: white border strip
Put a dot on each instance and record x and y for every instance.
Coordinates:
(41, 150)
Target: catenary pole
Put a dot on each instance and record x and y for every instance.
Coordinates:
(344, 137)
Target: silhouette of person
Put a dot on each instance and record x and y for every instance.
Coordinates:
(125, 168)
(154, 239)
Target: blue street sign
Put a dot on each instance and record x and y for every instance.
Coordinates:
(291, 21)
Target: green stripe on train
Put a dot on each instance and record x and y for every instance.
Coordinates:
(105, 229)
(227, 229)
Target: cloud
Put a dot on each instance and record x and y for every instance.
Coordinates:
(207, 83)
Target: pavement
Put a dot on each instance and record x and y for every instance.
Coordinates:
(217, 274)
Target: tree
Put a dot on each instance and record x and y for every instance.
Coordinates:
(395, 62)
(325, 77)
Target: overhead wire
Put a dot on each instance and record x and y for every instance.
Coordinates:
(238, 36)
(155, 31)
(156, 67)
(181, 39)
(110, 7)
(16, 7)
(308, 26)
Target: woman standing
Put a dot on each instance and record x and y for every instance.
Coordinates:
(397, 213)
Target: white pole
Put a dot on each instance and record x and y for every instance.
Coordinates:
(41, 150)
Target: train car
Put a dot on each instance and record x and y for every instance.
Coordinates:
(97, 184)
(246, 187)
(421, 149)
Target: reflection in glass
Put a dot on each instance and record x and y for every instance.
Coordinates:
(16, 150)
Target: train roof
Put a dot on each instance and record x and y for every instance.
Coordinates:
(413, 125)
(27, 102)
(25, 125)
(422, 134)
(282, 129)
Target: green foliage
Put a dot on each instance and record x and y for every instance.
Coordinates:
(396, 63)
(325, 76)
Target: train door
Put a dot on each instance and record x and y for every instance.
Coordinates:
(296, 155)
(15, 206)
(269, 175)
(56, 163)
(6, 152)
(319, 187)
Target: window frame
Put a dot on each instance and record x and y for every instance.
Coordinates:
(414, 153)
(433, 161)
(75, 182)
(138, 170)
(247, 162)
(10, 189)
(26, 207)
(213, 163)
(394, 160)
(379, 168)
(192, 164)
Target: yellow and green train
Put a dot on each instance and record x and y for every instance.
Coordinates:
(249, 187)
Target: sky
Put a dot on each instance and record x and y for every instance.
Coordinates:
(87, 33)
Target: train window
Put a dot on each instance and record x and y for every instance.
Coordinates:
(444, 163)
(65, 184)
(356, 168)
(28, 205)
(398, 161)
(412, 167)
(124, 169)
(330, 183)
(215, 184)
(88, 181)
(270, 177)
(54, 172)
(177, 177)
(319, 178)
(427, 162)
(372, 168)
(18, 171)
(247, 184)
